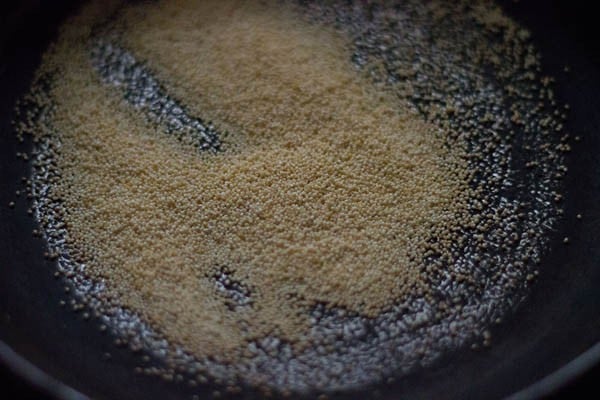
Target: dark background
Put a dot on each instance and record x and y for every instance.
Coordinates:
(579, 21)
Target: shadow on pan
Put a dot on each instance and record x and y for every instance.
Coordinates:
(549, 341)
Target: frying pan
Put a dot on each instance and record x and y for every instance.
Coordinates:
(549, 340)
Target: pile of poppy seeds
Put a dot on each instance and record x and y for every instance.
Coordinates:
(295, 196)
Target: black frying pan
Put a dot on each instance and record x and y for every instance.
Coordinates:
(553, 336)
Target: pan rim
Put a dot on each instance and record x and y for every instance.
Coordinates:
(560, 377)
(35, 376)
(545, 386)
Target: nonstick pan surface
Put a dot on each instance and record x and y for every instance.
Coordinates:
(551, 338)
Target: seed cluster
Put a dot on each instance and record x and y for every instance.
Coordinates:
(387, 182)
